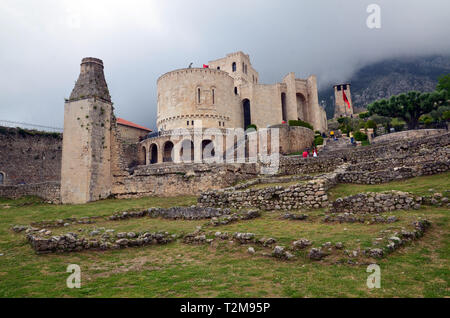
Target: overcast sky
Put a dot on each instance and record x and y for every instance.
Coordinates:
(42, 44)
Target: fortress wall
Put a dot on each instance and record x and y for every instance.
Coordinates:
(49, 191)
(187, 179)
(265, 105)
(26, 158)
(178, 102)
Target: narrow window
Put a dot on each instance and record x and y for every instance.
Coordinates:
(344, 87)
(235, 91)
(218, 67)
(243, 67)
(233, 67)
(220, 124)
(192, 123)
(2, 178)
(213, 96)
(187, 123)
(198, 95)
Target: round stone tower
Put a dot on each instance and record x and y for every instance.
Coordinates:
(188, 96)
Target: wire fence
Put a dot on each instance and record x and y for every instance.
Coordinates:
(15, 124)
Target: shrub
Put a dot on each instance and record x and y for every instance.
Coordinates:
(359, 136)
(371, 124)
(446, 115)
(364, 115)
(252, 127)
(318, 140)
(300, 123)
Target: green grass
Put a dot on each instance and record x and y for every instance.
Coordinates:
(420, 269)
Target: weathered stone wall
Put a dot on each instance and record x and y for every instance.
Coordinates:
(187, 179)
(49, 191)
(309, 194)
(27, 158)
(408, 134)
(371, 202)
(373, 157)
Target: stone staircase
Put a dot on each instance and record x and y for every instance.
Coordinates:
(341, 143)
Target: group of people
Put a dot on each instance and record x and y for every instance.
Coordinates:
(310, 153)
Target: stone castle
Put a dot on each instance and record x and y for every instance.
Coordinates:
(225, 95)
(102, 156)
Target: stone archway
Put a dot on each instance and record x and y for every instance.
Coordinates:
(168, 151)
(153, 153)
(187, 151)
(208, 150)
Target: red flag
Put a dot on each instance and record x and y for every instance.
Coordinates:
(205, 66)
(345, 99)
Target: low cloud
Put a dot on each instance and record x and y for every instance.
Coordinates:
(43, 43)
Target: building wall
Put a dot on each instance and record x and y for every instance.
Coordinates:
(131, 134)
(27, 159)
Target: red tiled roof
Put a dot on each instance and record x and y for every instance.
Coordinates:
(124, 122)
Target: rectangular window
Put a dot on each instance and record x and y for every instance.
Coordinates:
(344, 87)
(187, 123)
(213, 97)
(192, 123)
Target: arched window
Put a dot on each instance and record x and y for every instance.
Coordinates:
(218, 67)
(2, 178)
(233, 67)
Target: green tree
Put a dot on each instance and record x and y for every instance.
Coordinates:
(409, 106)
(444, 84)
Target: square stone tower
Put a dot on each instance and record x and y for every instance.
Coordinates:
(86, 154)
(342, 108)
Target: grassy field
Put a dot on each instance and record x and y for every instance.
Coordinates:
(420, 269)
